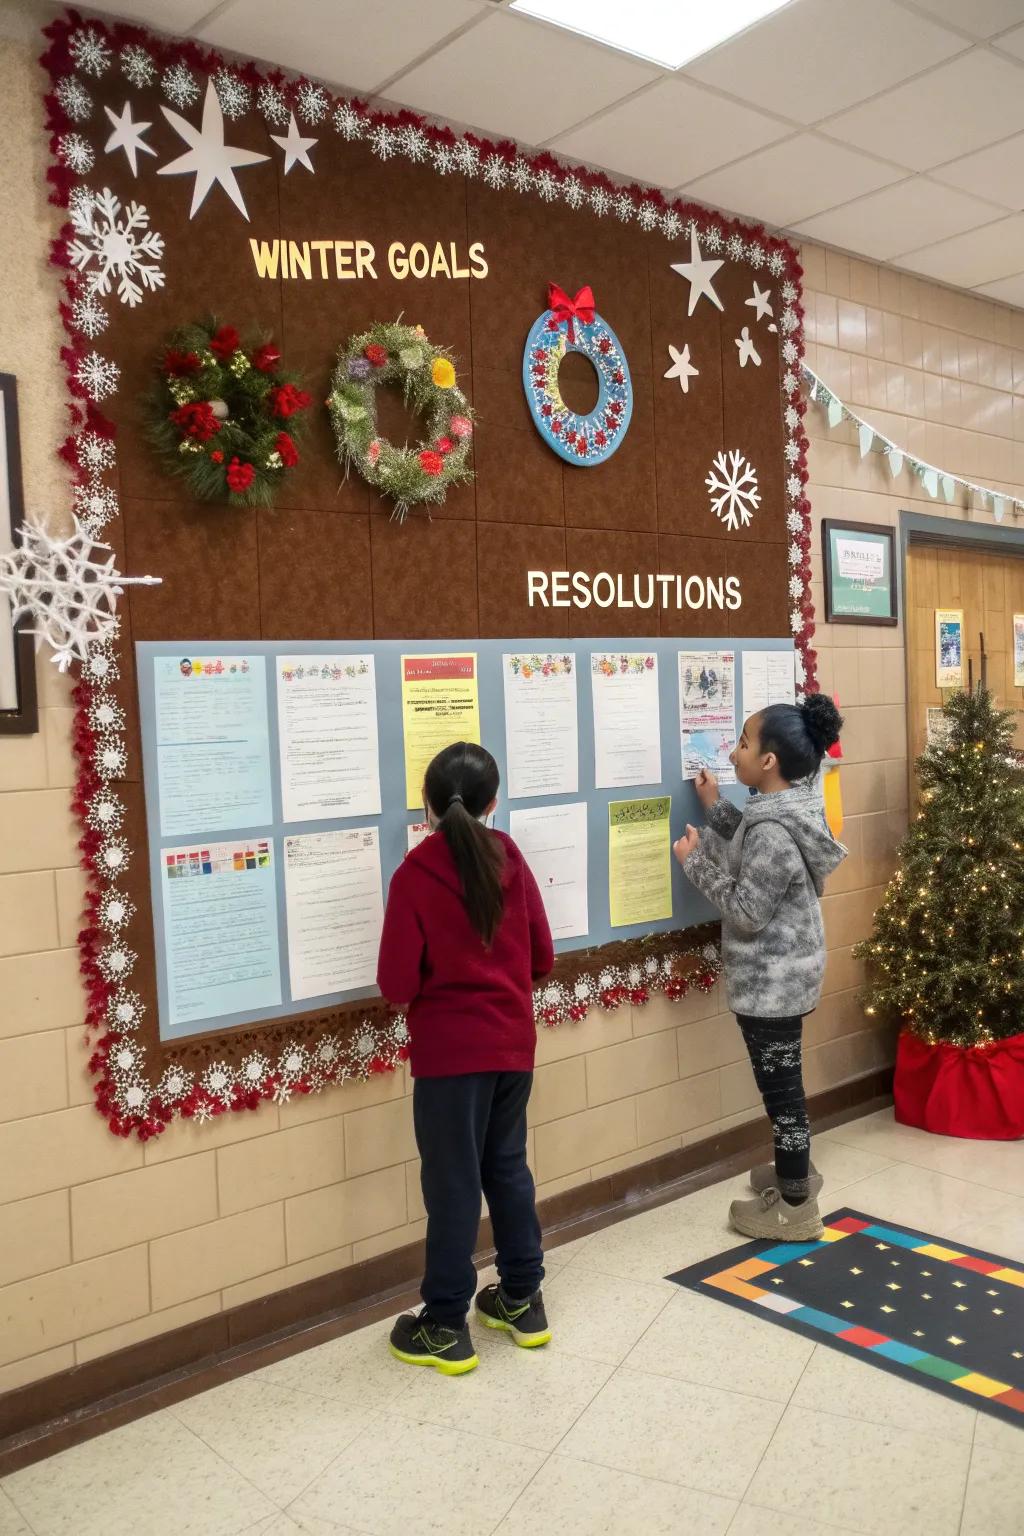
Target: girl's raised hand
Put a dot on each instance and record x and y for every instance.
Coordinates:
(706, 786)
(687, 844)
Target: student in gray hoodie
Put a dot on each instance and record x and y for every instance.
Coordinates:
(764, 868)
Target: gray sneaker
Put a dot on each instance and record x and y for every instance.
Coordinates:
(769, 1216)
(764, 1177)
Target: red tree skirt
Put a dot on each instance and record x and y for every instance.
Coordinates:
(976, 1092)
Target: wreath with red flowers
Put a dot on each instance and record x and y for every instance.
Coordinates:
(225, 416)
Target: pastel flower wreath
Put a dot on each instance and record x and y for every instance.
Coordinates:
(225, 416)
(392, 353)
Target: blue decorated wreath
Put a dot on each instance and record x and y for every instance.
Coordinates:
(573, 325)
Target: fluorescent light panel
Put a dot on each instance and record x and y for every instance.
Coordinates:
(666, 32)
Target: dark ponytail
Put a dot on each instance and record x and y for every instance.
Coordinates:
(800, 734)
(459, 785)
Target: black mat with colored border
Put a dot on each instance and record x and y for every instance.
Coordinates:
(946, 1316)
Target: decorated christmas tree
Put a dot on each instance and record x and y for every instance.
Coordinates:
(946, 959)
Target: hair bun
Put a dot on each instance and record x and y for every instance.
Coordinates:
(822, 720)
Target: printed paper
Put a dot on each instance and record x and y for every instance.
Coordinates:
(335, 909)
(213, 745)
(327, 725)
(553, 841)
(220, 929)
(768, 678)
(440, 705)
(541, 735)
(949, 647)
(707, 713)
(627, 719)
(639, 860)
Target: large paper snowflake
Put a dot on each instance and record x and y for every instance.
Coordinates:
(110, 245)
(66, 588)
(732, 485)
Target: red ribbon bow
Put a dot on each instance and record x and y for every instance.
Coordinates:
(580, 308)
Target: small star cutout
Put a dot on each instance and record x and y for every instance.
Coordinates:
(682, 369)
(846, 1304)
(128, 135)
(925, 1296)
(1017, 1355)
(959, 1284)
(962, 1308)
(777, 1281)
(892, 1286)
(918, 1333)
(760, 302)
(991, 1293)
(748, 352)
(882, 1247)
(895, 1263)
(954, 1340)
(926, 1274)
(856, 1271)
(996, 1311)
(806, 1263)
(887, 1309)
(296, 148)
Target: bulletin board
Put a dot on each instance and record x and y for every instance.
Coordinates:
(180, 174)
(688, 907)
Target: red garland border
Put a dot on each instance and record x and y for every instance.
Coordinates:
(118, 1093)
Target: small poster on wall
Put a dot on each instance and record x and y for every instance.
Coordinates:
(1018, 650)
(949, 647)
(860, 581)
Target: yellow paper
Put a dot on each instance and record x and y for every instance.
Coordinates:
(833, 802)
(639, 860)
(440, 704)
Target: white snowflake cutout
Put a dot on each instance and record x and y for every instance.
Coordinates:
(732, 486)
(88, 316)
(467, 158)
(671, 224)
(382, 141)
(74, 98)
(311, 102)
(234, 95)
(522, 174)
(600, 201)
(180, 85)
(96, 505)
(496, 171)
(573, 192)
(97, 376)
(113, 244)
(136, 65)
(349, 123)
(414, 144)
(271, 102)
(90, 52)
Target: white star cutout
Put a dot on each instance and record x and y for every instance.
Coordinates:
(698, 272)
(682, 369)
(208, 158)
(855, 1271)
(760, 302)
(846, 1304)
(128, 136)
(296, 148)
(748, 352)
(887, 1309)
(954, 1340)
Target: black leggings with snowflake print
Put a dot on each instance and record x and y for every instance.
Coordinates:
(774, 1049)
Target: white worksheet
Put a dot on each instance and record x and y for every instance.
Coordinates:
(541, 736)
(553, 841)
(627, 718)
(335, 910)
(327, 724)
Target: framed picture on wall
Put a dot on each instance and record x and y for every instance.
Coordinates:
(860, 573)
(18, 712)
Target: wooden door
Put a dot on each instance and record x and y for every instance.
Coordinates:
(990, 589)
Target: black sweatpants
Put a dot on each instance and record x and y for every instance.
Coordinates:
(774, 1046)
(471, 1135)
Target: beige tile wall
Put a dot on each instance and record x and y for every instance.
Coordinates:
(103, 1242)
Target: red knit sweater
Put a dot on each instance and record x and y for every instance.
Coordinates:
(469, 1008)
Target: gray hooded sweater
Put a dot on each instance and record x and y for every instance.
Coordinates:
(764, 868)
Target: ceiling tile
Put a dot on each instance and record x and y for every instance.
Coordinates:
(176, 16)
(792, 180)
(898, 218)
(1012, 42)
(514, 76)
(1009, 289)
(981, 18)
(333, 39)
(979, 256)
(959, 107)
(818, 56)
(673, 132)
(996, 172)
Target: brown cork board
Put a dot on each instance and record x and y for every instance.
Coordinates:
(327, 561)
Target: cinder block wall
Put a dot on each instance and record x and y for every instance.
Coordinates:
(104, 1242)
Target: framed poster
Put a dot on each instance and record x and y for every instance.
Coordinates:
(860, 573)
(949, 647)
(1018, 650)
(18, 713)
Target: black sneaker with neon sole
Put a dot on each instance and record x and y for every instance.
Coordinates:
(526, 1321)
(417, 1340)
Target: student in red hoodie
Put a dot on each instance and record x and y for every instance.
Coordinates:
(465, 937)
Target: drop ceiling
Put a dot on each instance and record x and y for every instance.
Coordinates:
(893, 129)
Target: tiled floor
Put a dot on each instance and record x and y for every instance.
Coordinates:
(655, 1410)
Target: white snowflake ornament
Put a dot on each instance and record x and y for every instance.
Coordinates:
(180, 85)
(74, 98)
(270, 100)
(600, 201)
(496, 171)
(66, 588)
(90, 52)
(111, 244)
(349, 123)
(105, 812)
(445, 161)
(88, 316)
(671, 224)
(776, 264)
(97, 376)
(522, 175)
(94, 453)
(467, 158)
(647, 216)
(311, 102)
(796, 621)
(796, 588)
(573, 192)
(735, 248)
(96, 505)
(383, 141)
(732, 486)
(413, 143)
(547, 185)
(136, 65)
(234, 95)
(795, 522)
